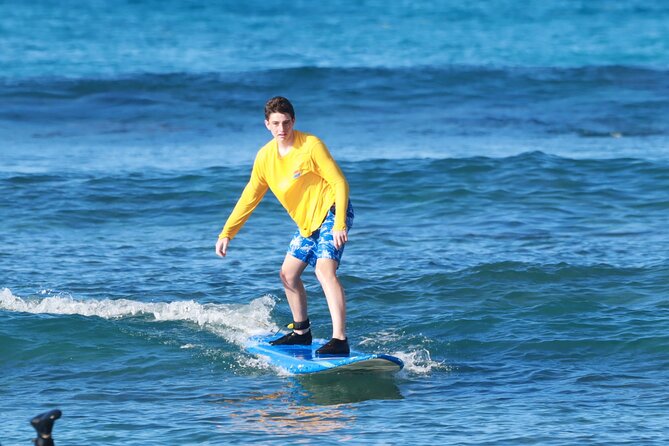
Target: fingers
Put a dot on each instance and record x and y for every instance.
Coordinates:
(340, 238)
(222, 247)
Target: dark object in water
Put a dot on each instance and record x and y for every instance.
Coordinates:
(43, 424)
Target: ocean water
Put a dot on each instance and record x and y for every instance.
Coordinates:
(509, 168)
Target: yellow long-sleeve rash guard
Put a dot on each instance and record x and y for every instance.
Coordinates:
(307, 182)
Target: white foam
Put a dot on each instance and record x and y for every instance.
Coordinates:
(235, 322)
(419, 362)
(417, 359)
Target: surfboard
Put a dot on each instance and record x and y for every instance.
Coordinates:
(302, 359)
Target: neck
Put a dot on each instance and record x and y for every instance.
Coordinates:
(285, 146)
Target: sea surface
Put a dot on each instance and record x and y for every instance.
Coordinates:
(509, 169)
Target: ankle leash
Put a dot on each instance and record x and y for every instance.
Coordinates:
(304, 325)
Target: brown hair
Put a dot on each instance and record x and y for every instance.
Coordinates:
(279, 104)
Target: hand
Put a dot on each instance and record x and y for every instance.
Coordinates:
(222, 246)
(340, 238)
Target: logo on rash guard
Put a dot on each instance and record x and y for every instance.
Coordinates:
(296, 174)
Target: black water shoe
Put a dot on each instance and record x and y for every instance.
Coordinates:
(334, 347)
(293, 338)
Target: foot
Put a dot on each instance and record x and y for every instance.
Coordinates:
(293, 338)
(335, 347)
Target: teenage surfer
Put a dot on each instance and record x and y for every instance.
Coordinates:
(307, 181)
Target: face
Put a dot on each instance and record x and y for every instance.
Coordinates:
(281, 126)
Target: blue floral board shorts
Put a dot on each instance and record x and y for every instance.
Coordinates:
(320, 244)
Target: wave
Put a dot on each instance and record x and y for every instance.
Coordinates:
(552, 195)
(412, 83)
(200, 120)
(593, 101)
(236, 323)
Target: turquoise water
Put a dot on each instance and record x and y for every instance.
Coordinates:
(508, 167)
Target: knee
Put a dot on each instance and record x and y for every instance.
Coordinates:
(325, 275)
(289, 279)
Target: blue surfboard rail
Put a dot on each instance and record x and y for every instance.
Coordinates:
(302, 359)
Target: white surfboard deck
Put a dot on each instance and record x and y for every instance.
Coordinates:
(302, 359)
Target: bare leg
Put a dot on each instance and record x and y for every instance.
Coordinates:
(326, 272)
(291, 272)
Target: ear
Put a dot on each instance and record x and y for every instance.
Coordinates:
(267, 125)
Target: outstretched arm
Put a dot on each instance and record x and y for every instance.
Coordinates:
(251, 196)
